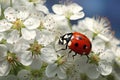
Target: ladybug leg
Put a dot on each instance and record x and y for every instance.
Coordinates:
(62, 49)
(69, 52)
(74, 55)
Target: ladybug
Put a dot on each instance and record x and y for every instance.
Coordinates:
(76, 42)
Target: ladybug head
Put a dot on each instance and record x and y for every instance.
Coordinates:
(64, 39)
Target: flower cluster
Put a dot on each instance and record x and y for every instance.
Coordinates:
(29, 48)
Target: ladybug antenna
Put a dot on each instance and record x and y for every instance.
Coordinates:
(60, 33)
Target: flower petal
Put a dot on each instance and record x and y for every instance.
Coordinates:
(58, 9)
(75, 8)
(48, 54)
(42, 8)
(32, 23)
(21, 45)
(13, 37)
(104, 68)
(24, 75)
(3, 50)
(42, 39)
(49, 22)
(4, 25)
(22, 13)
(103, 37)
(28, 34)
(37, 62)
(61, 74)
(25, 58)
(107, 55)
(92, 72)
(81, 64)
(98, 44)
(51, 70)
(10, 14)
(4, 68)
(77, 16)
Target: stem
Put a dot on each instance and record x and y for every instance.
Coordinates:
(69, 23)
(11, 3)
(94, 35)
(2, 13)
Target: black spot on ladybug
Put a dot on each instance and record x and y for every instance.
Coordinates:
(76, 44)
(84, 47)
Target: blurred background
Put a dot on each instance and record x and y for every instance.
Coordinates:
(104, 8)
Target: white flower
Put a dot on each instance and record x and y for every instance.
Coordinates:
(29, 53)
(117, 55)
(8, 59)
(4, 64)
(57, 64)
(98, 26)
(104, 57)
(100, 60)
(25, 57)
(20, 20)
(71, 11)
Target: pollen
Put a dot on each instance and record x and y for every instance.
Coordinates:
(11, 57)
(18, 24)
(61, 60)
(94, 59)
(35, 48)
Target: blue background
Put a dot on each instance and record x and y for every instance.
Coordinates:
(104, 8)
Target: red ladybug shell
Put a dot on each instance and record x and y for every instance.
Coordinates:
(80, 44)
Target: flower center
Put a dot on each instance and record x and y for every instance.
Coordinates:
(11, 57)
(35, 48)
(15, 64)
(94, 58)
(61, 60)
(18, 24)
(68, 14)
